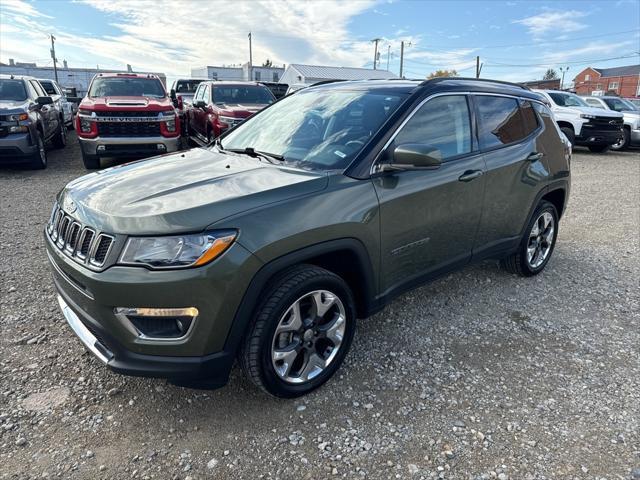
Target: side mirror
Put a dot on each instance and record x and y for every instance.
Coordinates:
(199, 104)
(172, 94)
(414, 156)
(44, 101)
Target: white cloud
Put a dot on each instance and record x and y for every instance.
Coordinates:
(590, 50)
(550, 21)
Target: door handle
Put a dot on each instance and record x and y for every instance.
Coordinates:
(470, 175)
(534, 157)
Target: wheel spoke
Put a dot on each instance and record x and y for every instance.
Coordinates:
(294, 320)
(323, 302)
(335, 331)
(285, 358)
(314, 366)
(535, 230)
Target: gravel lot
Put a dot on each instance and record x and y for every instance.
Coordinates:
(478, 375)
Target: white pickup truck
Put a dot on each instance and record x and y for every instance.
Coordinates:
(583, 125)
(629, 111)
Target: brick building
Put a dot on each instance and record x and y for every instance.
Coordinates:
(623, 81)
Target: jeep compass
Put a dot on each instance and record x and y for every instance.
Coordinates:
(267, 245)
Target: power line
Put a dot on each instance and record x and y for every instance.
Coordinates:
(552, 62)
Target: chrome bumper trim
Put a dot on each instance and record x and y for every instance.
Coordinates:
(83, 333)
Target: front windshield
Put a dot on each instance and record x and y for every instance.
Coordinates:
(12, 90)
(316, 129)
(619, 104)
(126, 87)
(187, 86)
(567, 100)
(233, 94)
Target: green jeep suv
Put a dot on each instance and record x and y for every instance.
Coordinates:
(268, 244)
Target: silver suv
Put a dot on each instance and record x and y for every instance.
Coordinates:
(28, 119)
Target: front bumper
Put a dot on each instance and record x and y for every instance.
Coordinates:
(128, 146)
(88, 300)
(598, 137)
(17, 148)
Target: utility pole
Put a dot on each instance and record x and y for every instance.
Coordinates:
(250, 59)
(477, 66)
(53, 56)
(563, 72)
(388, 55)
(375, 52)
(401, 56)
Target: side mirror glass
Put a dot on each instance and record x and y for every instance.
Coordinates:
(44, 101)
(414, 156)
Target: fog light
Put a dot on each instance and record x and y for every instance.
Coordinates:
(159, 323)
(161, 146)
(101, 148)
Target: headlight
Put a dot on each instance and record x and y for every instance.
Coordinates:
(231, 121)
(18, 117)
(177, 251)
(586, 115)
(169, 119)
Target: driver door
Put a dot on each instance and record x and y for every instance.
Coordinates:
(429, 218)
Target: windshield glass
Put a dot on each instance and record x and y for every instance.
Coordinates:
(242, 95)
(126, 87)
(567, 99)
(12, 90)
(48, 87)
(316, 129)
(618, 104)
(187, 86)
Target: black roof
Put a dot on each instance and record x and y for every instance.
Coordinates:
(442, 84)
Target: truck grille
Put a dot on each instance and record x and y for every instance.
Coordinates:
(129, 129)
(83, 244)
(605, 123)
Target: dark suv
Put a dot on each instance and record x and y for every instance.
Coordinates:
(29, 118)
(268, 245)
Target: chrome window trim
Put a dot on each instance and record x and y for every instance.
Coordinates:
(373, 169)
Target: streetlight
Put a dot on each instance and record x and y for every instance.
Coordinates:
(563, 71)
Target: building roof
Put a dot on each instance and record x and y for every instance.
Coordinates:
(618, 71)
(341, 73)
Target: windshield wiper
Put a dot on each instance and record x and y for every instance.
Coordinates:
(269, 157)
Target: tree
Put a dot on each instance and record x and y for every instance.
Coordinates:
(267, 63)
(442, 73)
(550, 74)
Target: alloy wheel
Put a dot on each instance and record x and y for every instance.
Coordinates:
(308, 336)
(540, 240)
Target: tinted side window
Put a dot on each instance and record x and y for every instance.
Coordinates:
(198, 95)
(442, 123)
(499, 121)
(529, 118)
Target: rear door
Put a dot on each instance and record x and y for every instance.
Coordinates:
(195, 113)
(429, 218)
(508, 132)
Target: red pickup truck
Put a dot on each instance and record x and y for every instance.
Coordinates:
(219, 105)
(126, 115)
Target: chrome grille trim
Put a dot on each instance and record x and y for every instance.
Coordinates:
(83, 244)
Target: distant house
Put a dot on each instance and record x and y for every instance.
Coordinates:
(623, 81)
(239, 73)
(543, 84)
(309, 74)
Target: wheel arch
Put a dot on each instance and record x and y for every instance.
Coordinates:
(346, 257)
(557, 197)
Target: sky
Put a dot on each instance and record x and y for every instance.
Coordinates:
(516, 40)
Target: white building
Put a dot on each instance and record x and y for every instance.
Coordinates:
(68, 77)
(310, 74)
(239, 73)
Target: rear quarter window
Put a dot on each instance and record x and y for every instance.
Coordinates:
(529, 118)
(499, 121)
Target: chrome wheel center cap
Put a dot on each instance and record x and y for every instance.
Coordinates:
(308, 335)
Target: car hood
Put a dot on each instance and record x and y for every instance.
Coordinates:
(181, 192)
(7, 107)
(599, 112)
(120, 103)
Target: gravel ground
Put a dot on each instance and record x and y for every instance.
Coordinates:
(478, 375)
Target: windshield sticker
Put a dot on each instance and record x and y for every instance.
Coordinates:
(340, 154)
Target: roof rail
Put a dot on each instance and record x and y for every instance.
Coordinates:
(323, 82)
(502, 82)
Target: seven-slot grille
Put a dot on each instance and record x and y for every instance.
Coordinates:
(83, 244)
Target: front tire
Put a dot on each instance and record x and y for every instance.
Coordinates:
(39, 158)
(537, 244)
(300, 333)
(60, 138)
(624, 142)
(599, 148)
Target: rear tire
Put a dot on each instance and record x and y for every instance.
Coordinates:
(568, 132)
(624, 143)
(39, 159)
(300, 333)
(537, 244)
(599, 148)
(91, 162)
